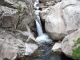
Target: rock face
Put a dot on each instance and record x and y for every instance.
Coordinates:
(62, 18)
(15, 15)
(13, 45)
(8, 17)
(54, 24)
(68, 43)
(10, 47)
(71, 14)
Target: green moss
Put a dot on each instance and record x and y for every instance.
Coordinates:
(76, 52)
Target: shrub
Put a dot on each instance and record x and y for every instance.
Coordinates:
(76, 52)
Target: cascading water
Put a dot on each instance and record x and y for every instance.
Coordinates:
(38, 25)
(42, 37)
(44, 51)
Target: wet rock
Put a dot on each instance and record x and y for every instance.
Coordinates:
(54, 22)
(68, 43)
(56, 47)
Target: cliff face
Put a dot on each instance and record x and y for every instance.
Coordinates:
(15, 16)
(62, 23)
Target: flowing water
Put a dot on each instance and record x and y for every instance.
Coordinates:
(44, 51)
(42, 37)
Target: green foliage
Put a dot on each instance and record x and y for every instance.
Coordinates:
(76, 52)
(77, 42)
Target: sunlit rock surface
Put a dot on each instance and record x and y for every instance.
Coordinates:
(30, 48)
(57, 47)
(54, 23)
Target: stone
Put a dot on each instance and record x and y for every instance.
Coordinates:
(9, 52)
(28, 34)
(10, 47)
(9, 17)
(30, 48)
(68, 43)
(57, 47)
(66, 3)
(71, 15)
(54, 23)
(18, 14)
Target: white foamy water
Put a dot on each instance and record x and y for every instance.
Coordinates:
(39, 28)
(35, 4)
(42, 38)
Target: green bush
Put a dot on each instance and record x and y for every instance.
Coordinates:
(76, 52)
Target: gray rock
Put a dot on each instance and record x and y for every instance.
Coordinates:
(30, 48)
(54, 23)
(71, 15)
(19, 14)
(57, 47)
(9, 17)
(68, 43)
(12, 46)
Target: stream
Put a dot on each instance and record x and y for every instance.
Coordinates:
(46, 44)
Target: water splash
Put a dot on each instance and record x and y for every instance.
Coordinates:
(39, 28)
(42, 37)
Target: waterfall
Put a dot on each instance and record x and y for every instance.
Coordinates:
(39, 28)
(42, 37)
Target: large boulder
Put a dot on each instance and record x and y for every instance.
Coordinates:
(54, 24)
(68, 43)
(71, 15)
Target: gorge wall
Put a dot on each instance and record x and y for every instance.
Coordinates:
(16, 15)
(62, 23)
